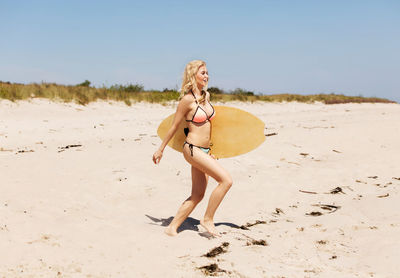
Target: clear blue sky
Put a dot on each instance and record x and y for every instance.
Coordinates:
(271, 46)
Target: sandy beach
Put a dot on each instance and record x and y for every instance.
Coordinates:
(81, 197)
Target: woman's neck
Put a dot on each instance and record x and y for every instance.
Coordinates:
(199, 88)
(198, 92)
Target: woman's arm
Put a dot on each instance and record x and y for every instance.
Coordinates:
(181, 110)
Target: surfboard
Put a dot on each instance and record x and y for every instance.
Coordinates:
(234, 132)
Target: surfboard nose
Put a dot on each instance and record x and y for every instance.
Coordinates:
(235, 132)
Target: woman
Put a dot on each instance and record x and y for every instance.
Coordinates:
(194, 106)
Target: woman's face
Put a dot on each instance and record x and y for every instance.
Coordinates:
(202, 77)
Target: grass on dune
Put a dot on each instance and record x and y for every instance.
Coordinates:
(324, 98)
(131, 93)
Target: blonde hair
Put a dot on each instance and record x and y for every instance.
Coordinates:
(189, 79)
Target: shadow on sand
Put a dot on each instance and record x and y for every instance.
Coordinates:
(189, 224)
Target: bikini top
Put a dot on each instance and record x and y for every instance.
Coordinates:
(200, 115)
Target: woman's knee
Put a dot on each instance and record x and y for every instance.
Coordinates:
(227, 182)
(196, 198)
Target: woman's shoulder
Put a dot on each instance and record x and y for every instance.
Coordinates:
(186, 99)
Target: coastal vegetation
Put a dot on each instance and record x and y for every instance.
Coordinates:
(84, 93)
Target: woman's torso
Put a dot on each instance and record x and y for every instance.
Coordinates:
(199, 122)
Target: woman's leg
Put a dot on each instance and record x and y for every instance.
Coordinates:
(210, 166)
(199, 184)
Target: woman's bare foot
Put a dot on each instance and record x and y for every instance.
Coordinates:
(209, 226)
(170, 231)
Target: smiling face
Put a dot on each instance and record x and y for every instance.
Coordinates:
(202, 77)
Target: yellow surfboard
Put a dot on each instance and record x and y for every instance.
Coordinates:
(234, 132)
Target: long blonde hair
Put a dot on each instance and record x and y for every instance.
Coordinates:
(189, 79)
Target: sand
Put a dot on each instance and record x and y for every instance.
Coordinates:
(81, 197)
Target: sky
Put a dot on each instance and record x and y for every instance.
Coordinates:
(346, 47)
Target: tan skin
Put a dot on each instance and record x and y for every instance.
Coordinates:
(203, 165)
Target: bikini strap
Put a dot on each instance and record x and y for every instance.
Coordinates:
(190, 147)
(195, 99)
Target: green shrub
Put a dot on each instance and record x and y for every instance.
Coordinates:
(239, 91)
(215, 91)
(131, 88)
(86, 83)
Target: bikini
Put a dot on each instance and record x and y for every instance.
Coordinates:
(199, 117)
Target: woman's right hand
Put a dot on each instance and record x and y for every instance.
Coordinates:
(157, 156)
(181, 111)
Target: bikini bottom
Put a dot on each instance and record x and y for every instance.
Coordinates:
(205, 150)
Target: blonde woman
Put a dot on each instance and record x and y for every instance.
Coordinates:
(194, 106)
